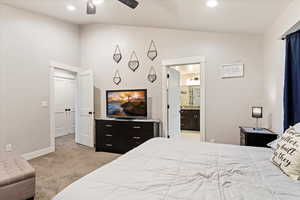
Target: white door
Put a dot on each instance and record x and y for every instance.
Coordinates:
(85, 114)
(64, 106)
(70, 105)
(173, 103)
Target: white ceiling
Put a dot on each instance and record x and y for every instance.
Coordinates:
(247, 16)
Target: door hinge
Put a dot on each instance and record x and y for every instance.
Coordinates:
(168, 106)
(168, 75)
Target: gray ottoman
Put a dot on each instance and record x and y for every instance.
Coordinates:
(17, 178)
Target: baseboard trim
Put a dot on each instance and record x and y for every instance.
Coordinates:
(38, 153)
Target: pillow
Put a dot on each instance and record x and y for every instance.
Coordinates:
(297, 127)
(287, 154)
(273, 144)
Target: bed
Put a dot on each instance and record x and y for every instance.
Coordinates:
(177, 169)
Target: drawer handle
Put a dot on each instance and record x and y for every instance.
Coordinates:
(137, 138)
(108, 125)
(108, 145)
(108, 135)
(137, 127)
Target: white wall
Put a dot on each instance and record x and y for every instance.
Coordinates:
(228, 100)
(1, 79)
(274, 58)
(31, 41)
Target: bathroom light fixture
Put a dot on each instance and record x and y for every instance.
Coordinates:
(71, 7)
(212, 3)
(91, 8)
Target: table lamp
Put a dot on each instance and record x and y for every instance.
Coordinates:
(257, 112)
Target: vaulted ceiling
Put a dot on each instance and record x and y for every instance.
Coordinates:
(246, 16)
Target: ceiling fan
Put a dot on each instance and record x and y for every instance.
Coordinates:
(91, 7)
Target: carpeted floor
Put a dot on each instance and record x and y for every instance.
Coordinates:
(67, 164)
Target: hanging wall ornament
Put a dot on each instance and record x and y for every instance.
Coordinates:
(152, 52)
(152, 77)
(117, 78)
(133, 63)
(117, 54)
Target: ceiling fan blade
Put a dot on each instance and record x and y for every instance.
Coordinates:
(91, 8)
(130, 3)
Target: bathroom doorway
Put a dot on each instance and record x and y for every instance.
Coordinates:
(184, 98)
(189, 83)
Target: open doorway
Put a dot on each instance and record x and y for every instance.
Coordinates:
(65, 101)
(71, 105)
(184, 98)
(190, 101)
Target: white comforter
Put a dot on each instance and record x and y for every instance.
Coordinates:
(178, 169)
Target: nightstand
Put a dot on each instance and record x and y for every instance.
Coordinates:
(256, 137)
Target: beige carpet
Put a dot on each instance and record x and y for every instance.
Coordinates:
(67, 164)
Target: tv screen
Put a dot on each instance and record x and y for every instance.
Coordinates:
(126, 103)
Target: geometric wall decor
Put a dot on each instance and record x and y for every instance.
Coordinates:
(152, 77)
(152, 52)
(117, 54)
(117, 78)
(133, 63)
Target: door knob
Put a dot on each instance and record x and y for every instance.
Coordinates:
(90, 113)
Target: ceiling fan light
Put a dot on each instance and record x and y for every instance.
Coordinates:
(91, 8)
(212, 3)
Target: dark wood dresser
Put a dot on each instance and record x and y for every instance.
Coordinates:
(257, 138)
(120, 136)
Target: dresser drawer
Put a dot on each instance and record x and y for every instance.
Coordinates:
(140, 130)
(109, 127)
(108, 138)
(109, 147)
(134, 141)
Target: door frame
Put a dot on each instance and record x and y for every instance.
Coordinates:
(56, 65)
(184, 61)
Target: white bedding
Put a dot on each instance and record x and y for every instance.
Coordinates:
(179, 169)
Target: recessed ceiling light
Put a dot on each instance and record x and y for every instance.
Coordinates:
(98, 2)
(71, 7)
(212, 3)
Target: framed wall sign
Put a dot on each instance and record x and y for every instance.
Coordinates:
(232, 70)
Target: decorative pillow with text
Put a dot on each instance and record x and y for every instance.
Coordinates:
(287, 154)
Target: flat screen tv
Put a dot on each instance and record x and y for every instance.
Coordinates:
(126, 104)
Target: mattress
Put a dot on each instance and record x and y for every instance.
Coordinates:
(177, 169)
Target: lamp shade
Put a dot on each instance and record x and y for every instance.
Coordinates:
(257, 112)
